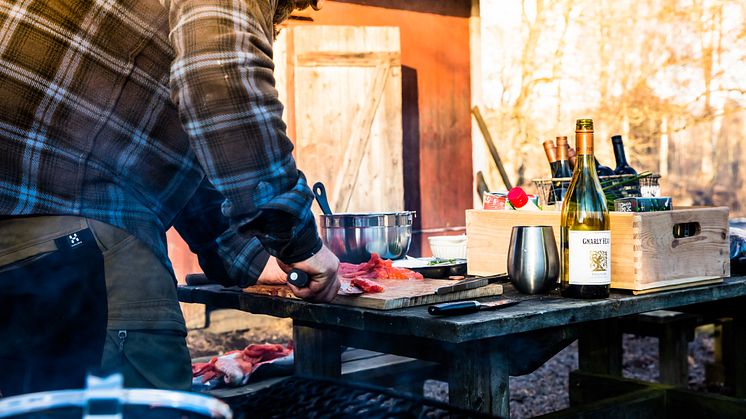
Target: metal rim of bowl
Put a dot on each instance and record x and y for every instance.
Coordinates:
(382, 219)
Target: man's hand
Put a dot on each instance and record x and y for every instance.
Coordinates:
(272, 274)
(322, 272)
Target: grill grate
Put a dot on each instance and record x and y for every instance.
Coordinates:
(299, 397)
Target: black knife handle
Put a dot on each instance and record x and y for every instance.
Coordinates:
(298, 278)
(453, 309)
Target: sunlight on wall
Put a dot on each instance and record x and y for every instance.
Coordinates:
(670, 76)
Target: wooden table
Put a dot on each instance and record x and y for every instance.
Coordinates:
(479, 350)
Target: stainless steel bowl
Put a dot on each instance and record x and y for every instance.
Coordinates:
(353, 237)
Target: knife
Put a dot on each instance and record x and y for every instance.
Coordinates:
(300, 279)
(466, 307)
(470, 283)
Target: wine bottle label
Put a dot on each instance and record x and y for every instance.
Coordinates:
(590, 257)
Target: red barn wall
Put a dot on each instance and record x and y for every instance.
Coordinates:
(436, 102)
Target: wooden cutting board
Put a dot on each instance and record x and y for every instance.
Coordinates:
(398, 294)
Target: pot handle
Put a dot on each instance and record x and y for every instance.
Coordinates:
(319, 192)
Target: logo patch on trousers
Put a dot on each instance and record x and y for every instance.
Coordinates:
(74, 240)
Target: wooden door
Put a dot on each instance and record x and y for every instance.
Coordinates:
(342, 90)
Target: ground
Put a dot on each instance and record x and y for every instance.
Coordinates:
(545, 390)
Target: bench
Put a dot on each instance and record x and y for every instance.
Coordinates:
(385, 370)
(674, 331)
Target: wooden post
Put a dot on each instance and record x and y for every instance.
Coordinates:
(317, 352)
(478, 378)
(734, 348)
(600, 348)
(673, 350)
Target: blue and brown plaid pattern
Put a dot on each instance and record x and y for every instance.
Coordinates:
(117, 111)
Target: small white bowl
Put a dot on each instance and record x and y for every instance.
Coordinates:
(448, 247)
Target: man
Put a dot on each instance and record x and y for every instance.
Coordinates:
(119, 119)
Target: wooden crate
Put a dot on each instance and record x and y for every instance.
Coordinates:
(645, 256)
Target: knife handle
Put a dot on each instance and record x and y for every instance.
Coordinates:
(298, 278)
(453, 309)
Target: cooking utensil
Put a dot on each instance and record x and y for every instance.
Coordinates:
(298, 278)
(470, 283)
(466, 307)
(465, 284)
(301, 279)
(443, 270)
(319, 192)
(354, 236)
(533, 260)
(347, 289)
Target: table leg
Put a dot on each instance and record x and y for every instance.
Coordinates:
(478, 378)
(734, 348)
(673, 350)
(600, 348)
(317, 351)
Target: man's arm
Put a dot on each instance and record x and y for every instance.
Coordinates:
(223, 255)
(222, 82)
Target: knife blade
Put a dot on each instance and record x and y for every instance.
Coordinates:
(470, 283)
(467, 307)
(347, 289)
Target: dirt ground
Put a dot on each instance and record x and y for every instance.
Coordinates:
(543, 391)
(206, 343)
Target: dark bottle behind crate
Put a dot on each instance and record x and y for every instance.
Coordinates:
(563, 170)
(602, 170)
(551, 151)
(572, 157)
(585, 234)
(622, 167)
(563, 163)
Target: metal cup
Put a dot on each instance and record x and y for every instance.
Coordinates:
(533, 260)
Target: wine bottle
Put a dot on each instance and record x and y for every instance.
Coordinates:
(622, 167)
(563, 164)
(563, 170)
(551, 153)
(585, 235)
(572, 157)
(602, 170)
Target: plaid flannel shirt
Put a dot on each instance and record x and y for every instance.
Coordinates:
(146, 114)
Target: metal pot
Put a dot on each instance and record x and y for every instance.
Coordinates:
(353, 237)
